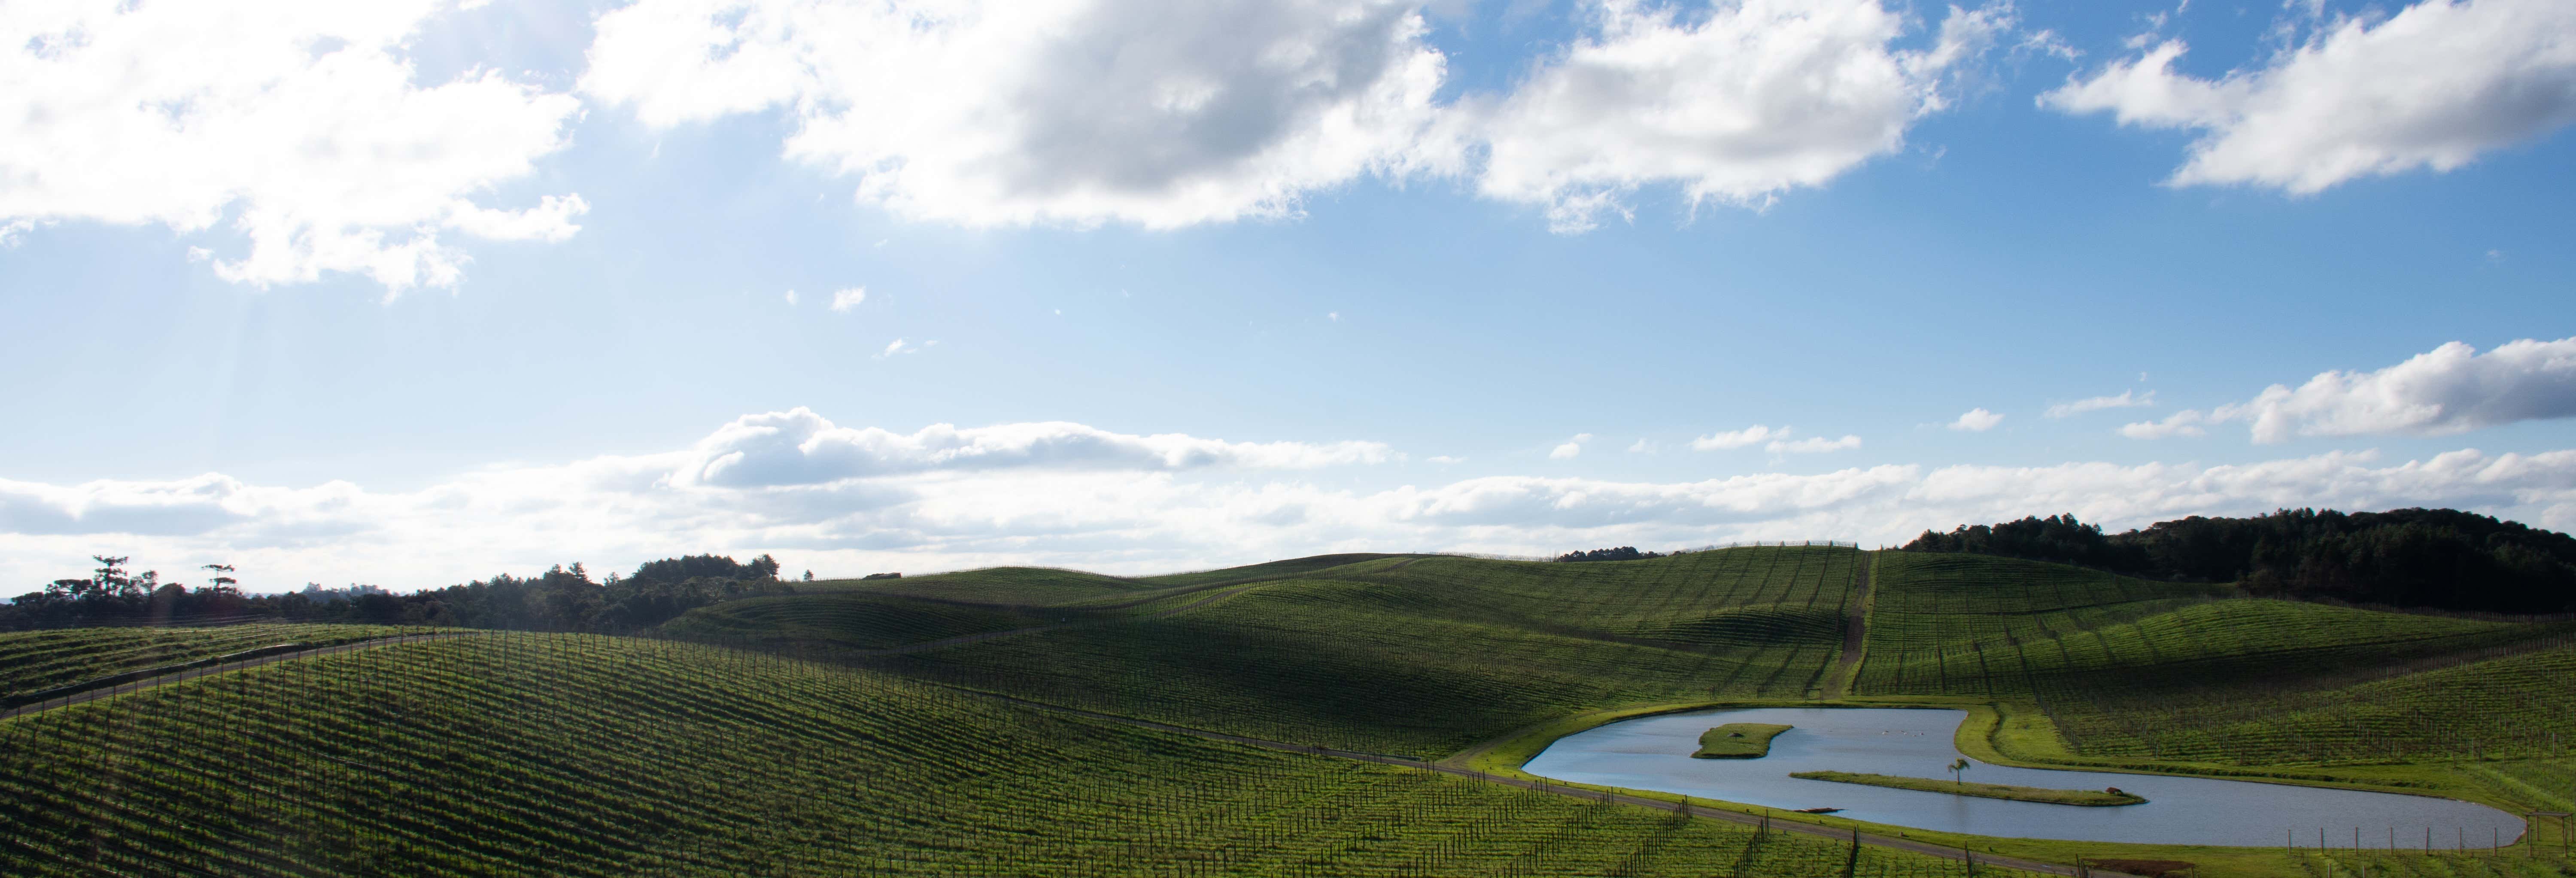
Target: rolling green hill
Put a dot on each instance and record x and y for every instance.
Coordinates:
(533, 754)
(2130, 668)
(35, 660)
(1425, 657)
(1002, 721)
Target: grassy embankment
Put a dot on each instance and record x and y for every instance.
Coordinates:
(1738, 741)
(534, 754)
(2089, 798)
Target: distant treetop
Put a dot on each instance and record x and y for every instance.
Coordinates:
(1622, 553)
(2441, 558)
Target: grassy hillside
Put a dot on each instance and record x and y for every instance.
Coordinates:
(562, 754)
(35, 660)
(1290, 567)
(1009, 586)
(1428, 656)
(2129, 668)
(848, 620)
(521, 754)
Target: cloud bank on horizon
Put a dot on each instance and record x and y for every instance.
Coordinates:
(2448, 390)
(845, 501)
(1156, 113)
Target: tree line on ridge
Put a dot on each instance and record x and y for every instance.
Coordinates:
(560, 599)
(2435, 558)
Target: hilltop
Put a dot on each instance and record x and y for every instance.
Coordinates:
(1271, 719)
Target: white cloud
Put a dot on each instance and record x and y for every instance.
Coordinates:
(2450, 389)
(1642, 447)
(791, 298)
(843, 499)
(1445, 460)
(14, 231)
(1752, 99)
(1727, 439)
(2125, 399)
(984, 113)
(1811, 445)
(895, 347)
(1571, 447)
(1335, 316)
(300, 121)
(799, 447)
(2182, 423)
(2435, 85)
(844, 300)
(1976, 420)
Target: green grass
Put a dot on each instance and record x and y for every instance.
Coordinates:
(2086, 798)
(37, 660)
(1290, 567)
(1738, 741)
(1001, 586)
(846, 620)
(1424, 657)
(551, 754)
(529, 754)
(2127, 669)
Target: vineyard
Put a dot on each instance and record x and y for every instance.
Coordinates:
(537, 754)
(1001, 721)
(35, 660)
(2126, 668)
(1426, 657)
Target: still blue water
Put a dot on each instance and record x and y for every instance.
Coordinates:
(1653, 753)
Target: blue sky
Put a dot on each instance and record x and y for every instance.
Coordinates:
(418, 293)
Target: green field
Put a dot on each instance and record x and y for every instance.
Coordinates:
(1738, 741)
(2084, 798)
(36, 660)
(988, 722)
(1424, 657)
(533, 754)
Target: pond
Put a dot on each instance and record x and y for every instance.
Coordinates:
(1653, 753)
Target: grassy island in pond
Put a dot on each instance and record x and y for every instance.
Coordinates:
(1738, 741)
(2092, 798)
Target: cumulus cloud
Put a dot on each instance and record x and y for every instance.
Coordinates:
(2434, 86)
(1976, 420)
(984, 113)
(844, 300)
(2182, 423)
(1750, 100)
(800, 447)
(2449, 389)
(302, 122)
(855, 500)
(1727, 439)
(1811, 445)
(2125, 399)
(1570, 448)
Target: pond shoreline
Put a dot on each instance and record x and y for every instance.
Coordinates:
(1648, 750)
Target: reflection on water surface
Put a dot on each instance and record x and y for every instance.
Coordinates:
(1653, 753)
